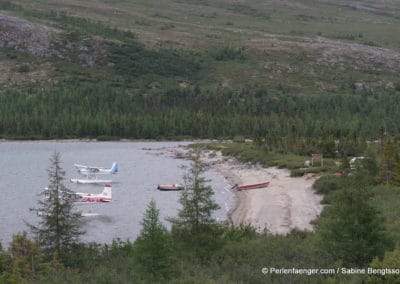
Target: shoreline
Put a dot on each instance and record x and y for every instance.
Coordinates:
(96, 140)
(287, 203)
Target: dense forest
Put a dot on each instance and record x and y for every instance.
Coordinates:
(78, 110)
(118, 87)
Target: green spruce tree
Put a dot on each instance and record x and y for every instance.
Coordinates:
(152, 248)
(367, 169)
(195, 225)
(59, 227)
(5, 264)
(26, 262)
(391, 260)
(389, 170)
(352, 229)
(344, 167)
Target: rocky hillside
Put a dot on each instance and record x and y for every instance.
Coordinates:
(307, 46)
(22, 35)
(199, 68)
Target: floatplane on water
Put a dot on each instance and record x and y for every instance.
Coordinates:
(82, 169)
(82, 197)
(105, 196)
(91, 174)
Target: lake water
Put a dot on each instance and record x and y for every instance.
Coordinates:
(142, 166)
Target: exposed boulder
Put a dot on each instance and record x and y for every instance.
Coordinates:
(25, 36)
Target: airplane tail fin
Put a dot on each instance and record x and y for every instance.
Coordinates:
(114, 168)
(107, 193)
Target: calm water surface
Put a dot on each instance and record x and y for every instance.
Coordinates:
(142, 166)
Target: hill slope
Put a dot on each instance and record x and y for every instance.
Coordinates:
(193, 56)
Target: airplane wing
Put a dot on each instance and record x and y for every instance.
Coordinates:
(80, 167)
(89, 168)
(97, 170)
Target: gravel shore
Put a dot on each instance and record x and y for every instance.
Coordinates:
(287, 203)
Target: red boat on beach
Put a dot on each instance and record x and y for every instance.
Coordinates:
(251, 186)
(174, 186)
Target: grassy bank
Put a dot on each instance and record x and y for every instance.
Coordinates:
(248, 152)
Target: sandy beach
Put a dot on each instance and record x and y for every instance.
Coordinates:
(287, 202)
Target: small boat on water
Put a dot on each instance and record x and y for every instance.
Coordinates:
(251, 186)
(174, 186)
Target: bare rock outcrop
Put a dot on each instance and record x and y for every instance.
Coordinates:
(19, 34)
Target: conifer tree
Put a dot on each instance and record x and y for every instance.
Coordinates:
(152, 248)
(195, 225)
(352, 230)
(59, 227)
(390, 163)
(367, 169)
(344, 167)
(5, 262)
(26, 263)
(391, 260)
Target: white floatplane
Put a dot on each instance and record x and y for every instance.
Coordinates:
(91, 174)
(82, 169)
(105, 196)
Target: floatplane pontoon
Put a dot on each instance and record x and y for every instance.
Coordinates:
(90, 180)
